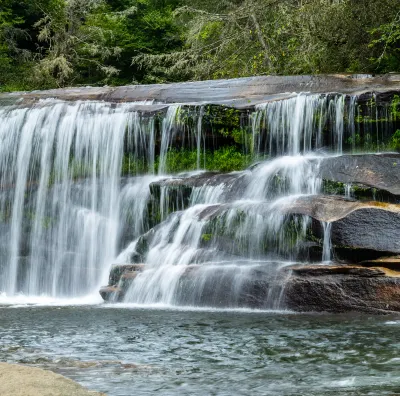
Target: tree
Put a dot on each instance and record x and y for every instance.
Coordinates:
(386, 41)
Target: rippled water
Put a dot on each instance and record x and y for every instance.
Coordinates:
(125, 351)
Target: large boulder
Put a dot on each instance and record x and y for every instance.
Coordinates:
(266, 285)
(358, 227)
(326, 288)
(371, 176)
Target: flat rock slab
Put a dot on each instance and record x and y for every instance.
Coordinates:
(391, 263)
(239, 92)
(232, 184)
(330, 290)
(18, 380)
(333, 208)
(203, 179)
(326, 270)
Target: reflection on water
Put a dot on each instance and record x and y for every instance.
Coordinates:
(124, 351)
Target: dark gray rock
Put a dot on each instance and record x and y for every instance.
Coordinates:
(391, 263)
(342, 289)
(373, 176)
(356, 226)
(181, 187)
(302, 288)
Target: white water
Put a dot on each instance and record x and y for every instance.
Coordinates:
(60, 166)
(252, 227)
(67, 215)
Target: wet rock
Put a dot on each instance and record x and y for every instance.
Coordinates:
(342, 289)
(391, 262)
(117, 270)
(370, 176)
(321, 270)
(179, 190)
(109, 293)
(359, 230)
(121, 277)
(303, 288)
(355, 226)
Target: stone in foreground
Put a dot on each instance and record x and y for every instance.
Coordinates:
(18, 380)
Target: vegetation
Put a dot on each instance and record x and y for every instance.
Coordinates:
(225, 159)
(395, 141)
(56, 43)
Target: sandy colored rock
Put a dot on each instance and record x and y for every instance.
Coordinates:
(18, 380)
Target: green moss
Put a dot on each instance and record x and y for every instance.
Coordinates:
(134, 166)
(333, 187)
(395, 108)
(206, 237)
(395, 141)
(225, 159)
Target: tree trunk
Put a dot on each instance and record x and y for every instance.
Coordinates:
(262, 41)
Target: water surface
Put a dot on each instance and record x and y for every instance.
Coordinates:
(135, 351)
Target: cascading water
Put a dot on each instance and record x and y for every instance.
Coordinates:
(67, 213)
(60, 170)
(218, 245)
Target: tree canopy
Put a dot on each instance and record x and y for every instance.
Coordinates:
(55, 43)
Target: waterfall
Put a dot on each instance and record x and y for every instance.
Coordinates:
(60, 176)
(295, 125)
(327, 245)
(168, 132)
(76, 196)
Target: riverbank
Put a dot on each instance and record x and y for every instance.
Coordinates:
(18, 380)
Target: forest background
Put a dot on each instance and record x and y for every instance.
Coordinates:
(56, 43)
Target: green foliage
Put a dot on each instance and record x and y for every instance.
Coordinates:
(225, 159)
(395, 141)
(206, 237)
(395, 108)
(386, 39)
(51, 43)
(133, 166)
